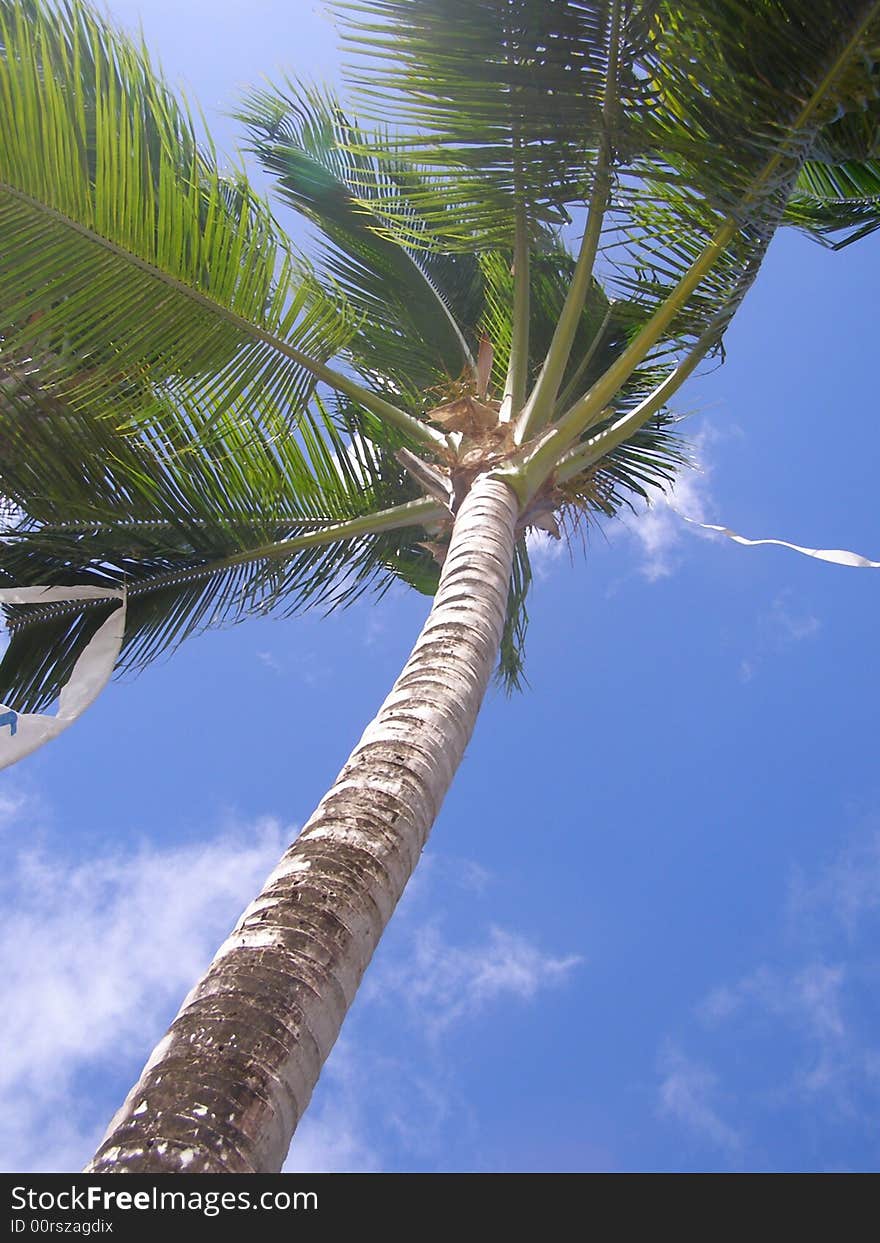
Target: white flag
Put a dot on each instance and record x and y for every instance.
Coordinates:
(23, 732)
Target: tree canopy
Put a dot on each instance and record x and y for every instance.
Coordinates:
(171, 418)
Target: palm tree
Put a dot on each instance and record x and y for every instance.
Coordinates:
(172, 421)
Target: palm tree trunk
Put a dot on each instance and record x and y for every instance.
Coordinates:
(226, 1087)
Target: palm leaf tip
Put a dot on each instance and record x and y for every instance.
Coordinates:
(837, 203)
(510, 673)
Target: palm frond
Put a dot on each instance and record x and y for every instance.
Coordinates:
(834, 199)
(733, 142)
(137, 279)
(202, 549)
(171, 596)
(511, 657)
(500, 99)
(489, 95)
(417, 307)
(649, 460)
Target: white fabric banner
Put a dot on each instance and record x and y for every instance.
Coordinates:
(23, 732)
(839, 556)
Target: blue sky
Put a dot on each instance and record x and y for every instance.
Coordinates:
(644, 934)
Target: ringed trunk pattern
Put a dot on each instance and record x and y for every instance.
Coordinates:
(225, 1088)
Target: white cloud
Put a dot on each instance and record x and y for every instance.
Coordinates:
(304, 666)
(544, 551)
(809, 997)
(357, 450)
(746, 670)
(376, 628)
(374, 1099)
(778, 627)
(688, 1093)
(95, 957)
(442, 984)
(331, 1142)
(815, 993)
(789, 624)
(805, 1008)
(813, 1005)
(12, 804)
(447, 871)
(374, 1109)
(660, 530)
(847, 893)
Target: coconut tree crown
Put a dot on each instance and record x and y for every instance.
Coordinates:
(195, 410)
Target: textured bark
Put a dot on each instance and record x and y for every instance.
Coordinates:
(226, 1087)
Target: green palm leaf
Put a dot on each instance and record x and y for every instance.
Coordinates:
(842, 198)
(418, 308)
(205, 547)
(501, 100)
(137, 280)
(734, 141)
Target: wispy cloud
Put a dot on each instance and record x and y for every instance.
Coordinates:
(847, 893)
(789, 624)
(332, 1137)
(377, 1110)
(303, 666)
(805, 1008)
(779, 626)
(441, 984)
(809, 997)
(331, 1141)
(12, 804)
(396, 1101)
(659, 531)
(95, 957)
(545, 551)
(804, 1051)
(688, 1095)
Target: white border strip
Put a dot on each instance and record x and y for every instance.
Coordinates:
(23, 732)
(837, 556)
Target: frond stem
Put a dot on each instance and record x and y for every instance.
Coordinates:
(422, 512)
(539, 409)
(590, 407)
(583, 366)
(383, 410)
(518, 366)
(586, 455)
